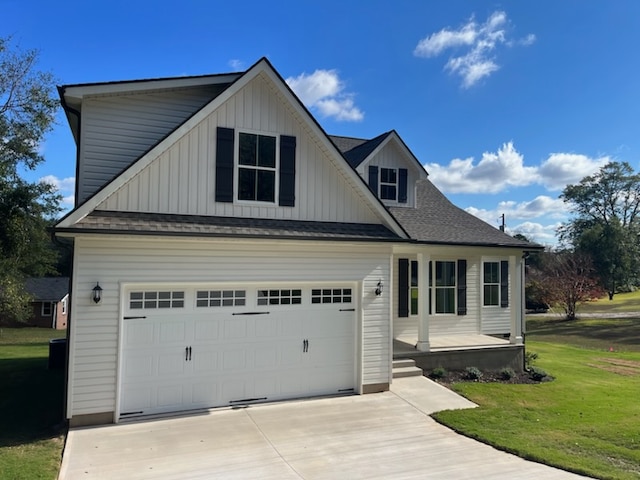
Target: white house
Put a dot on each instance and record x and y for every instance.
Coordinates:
(228, 251)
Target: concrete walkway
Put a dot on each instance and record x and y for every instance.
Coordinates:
(377, 436)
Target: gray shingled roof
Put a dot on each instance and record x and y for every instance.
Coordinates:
(194, 225)
(357, 150)
(437, 220)
(48, 289)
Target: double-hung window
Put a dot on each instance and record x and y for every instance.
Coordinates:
(445, 286)
(495, 283)
(388, 184)
(491, 278)
(257, 167)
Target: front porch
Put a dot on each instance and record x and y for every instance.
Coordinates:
(457, 352)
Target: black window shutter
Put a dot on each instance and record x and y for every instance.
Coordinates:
(462, 287)
(287, 196)
(224, 165)
(402, 185)
(373, 178)
(504, 284)
(403, 287)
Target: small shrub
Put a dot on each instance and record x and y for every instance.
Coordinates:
(438, 373)
(529, 358)
(537, 374)
(473, 373)
(507, 373)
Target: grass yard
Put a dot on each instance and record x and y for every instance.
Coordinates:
(586, 420)
(31, 401)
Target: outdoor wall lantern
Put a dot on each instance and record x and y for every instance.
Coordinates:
(97, 293)
(379, 288)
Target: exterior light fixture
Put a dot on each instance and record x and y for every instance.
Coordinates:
(379, 288)
(97, 293)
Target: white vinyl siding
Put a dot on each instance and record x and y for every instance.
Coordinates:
(95, 335)
(118, 129)
(182, 179)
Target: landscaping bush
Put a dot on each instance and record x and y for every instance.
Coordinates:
(438, 373)
(473, 373)
(507, 374)
(529, 358)
(538, 374)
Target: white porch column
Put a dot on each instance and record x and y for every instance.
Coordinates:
(516, 274)
(423, 307)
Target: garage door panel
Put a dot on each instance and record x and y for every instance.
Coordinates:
(206, 330)
(208, 353)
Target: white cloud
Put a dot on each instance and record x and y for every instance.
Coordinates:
(64, 186)
(475, 46)
(236, 64)
(536, 232)
(324, 91)
(562, 169)
(540, 206)
(495, 172)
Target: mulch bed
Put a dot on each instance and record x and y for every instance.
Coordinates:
(487, 377)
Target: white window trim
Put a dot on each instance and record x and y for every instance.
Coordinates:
(43, 313)
(432, 286)
(237, 166)
(381, 183)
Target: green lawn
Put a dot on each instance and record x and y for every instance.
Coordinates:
(31, 401)
(586, 420)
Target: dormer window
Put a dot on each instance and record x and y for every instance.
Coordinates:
(388, 184)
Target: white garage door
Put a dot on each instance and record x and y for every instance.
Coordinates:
(197, 347)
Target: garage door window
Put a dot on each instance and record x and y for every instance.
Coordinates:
(221, 298)
(156, 299)
(280, 297)
(331, 295)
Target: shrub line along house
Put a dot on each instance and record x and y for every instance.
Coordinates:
(244, 255)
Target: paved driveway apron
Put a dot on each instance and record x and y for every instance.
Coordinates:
(385, 435)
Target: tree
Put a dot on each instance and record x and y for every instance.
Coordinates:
(606, 226)
(27, 111)
(565, 278)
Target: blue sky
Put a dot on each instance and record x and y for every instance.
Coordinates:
(504, 103)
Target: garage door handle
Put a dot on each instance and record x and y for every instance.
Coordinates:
(251, 313)
(132, 318)
(305, 346)
(347, 309)
(187, 354)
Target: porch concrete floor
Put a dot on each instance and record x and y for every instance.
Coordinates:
(384, 435)
(442, 343)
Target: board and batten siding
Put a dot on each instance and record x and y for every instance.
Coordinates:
(390, 156)
(117, 129)
(95, 329)
(181, 180)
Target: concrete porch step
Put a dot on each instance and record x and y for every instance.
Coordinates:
(405, 367)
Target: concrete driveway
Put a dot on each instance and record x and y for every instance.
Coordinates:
(385, 435)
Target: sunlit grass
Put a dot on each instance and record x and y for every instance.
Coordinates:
(31, 398)
(586, 420)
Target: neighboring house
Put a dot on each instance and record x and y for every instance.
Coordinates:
(50, 301)
(243, 255)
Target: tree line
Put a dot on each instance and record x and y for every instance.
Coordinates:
(600, 245)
